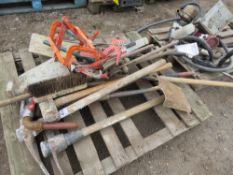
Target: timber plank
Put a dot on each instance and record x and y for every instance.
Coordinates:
(18, 155)
(110, 138)
(228, 40)
(157, 139)
(27, 59)
(199, 108)
(159, 30)
(36, 45)
(226, 33)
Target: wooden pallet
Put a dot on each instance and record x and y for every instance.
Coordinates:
(161, 35)
(25, 6)
(108, 150)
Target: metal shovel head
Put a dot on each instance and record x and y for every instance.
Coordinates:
(174, 96)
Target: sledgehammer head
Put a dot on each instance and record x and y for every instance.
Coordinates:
(60, 142)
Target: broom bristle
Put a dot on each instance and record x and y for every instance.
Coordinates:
(56, 84)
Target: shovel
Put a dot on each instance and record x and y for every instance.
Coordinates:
(173, 98)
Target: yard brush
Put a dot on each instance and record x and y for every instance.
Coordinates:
(57, 85)
(49, 79)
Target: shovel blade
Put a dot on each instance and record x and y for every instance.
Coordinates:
(174, 96)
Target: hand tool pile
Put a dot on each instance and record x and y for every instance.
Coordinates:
(90, 71)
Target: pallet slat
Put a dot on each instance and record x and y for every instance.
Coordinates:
(27, 59)
(37, 5)
(36, 46)
(86, 151)
(128, 126)
(18, 155)
(110, 138)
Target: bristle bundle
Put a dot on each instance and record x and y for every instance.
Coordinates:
(57, 84)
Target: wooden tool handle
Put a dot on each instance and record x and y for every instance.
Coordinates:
(80, 94)
(14, 99)
(153, 54)
(199, 82)
(121, 116)
(164, 67)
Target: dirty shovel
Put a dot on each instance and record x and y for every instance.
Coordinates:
(173, 97)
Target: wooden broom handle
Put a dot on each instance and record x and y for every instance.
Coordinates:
(80, 94)
(199, 82)
(14, 99)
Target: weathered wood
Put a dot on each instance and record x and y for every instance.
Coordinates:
(86, 151)
(134, 136)
(149, 143)
(157, 139)
(228, 40)
(36, 46)
(226, 33)
(108, 165)
(198, 107)
(27, 59)
(20, 160)
(133, 35)
(110, 138)
(162, 36)
(159, 30)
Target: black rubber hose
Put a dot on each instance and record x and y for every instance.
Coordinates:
(208, 69)
(224, 46)
(204, 67)
(157, 23)
(201, 42)
(225, 58)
